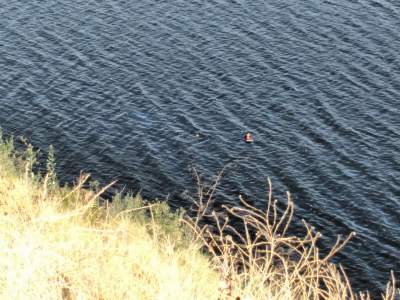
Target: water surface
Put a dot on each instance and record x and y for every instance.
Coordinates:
(121, 88)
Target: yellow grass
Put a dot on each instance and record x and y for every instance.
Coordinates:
(53, 250)
(61, 243)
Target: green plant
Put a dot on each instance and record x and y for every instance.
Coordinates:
(51, 168)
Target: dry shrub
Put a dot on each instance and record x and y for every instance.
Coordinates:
(257, 259)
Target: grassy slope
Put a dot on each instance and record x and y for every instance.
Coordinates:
(55, 243)
(58, 243)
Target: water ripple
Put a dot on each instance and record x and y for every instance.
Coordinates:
(142, 91)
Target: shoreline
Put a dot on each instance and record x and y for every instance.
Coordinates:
(61, 243)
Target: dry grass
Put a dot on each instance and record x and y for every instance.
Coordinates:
(56, 243)
(256, 259)
(59, 243)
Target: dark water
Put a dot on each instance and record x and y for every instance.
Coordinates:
(121, 88)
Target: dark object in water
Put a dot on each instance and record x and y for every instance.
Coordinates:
(248, 138)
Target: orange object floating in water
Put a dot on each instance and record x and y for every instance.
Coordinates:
(248, 138)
